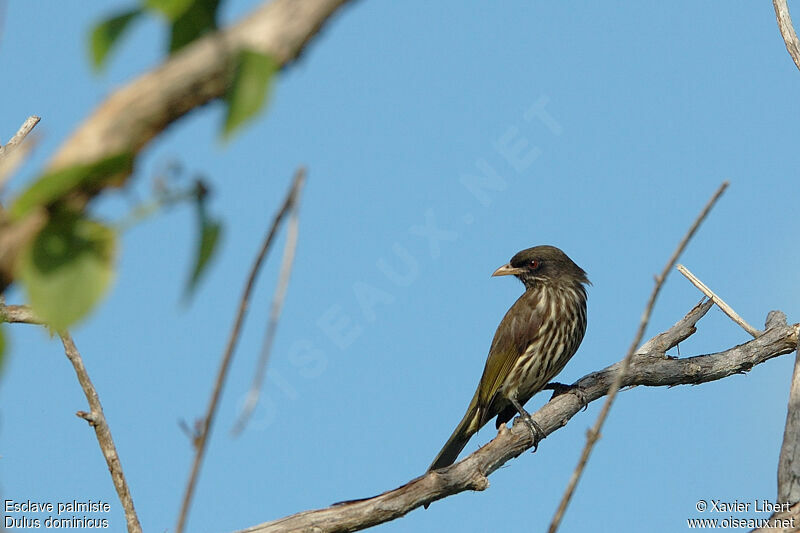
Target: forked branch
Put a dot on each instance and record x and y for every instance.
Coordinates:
(648, 366)
(21, 314)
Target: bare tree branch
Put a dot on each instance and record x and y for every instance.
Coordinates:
(23, 132)
(787, 30)
(727, 309)
(789, 462)
(650, 368)
(594, 433)
(201, 440)
(277, 307)
(14, 153)
(96, 418)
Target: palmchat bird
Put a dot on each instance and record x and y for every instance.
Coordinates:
(534, 341)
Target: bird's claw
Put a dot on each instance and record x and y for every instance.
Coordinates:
(536, 431)
(560, 388)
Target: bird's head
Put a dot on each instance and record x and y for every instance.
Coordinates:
(543, 264)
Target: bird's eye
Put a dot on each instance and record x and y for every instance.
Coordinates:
(534, 264)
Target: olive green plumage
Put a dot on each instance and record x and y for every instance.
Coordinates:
(534, 341)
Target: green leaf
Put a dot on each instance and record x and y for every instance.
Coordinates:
(67, 268)
(172, 9)
(207, 245)
(105, 35)
(199, 19)
(249, 90)
(209, 233)
(53, 186)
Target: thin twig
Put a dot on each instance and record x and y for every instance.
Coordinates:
(275, 314)
(22, 314)
(594, 433)
(14, 153)
(207, 421)
(787, 30)
(18, 137)
(19, 314)
(97, 420)
(728, 310)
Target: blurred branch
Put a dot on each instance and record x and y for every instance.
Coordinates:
(13, 237)
(277, 303)
(594, 433)
(201, 439)
(19, 314)
(136, 113)
(96, 418)
(649, 367)
(787, 30)
(199, 73)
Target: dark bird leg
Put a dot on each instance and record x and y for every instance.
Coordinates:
(536, 431)
(560, 388)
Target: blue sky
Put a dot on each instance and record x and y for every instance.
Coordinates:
(649, 108)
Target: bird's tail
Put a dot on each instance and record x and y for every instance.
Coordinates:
(461, 435)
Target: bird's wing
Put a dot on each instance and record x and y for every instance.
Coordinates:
(516, 331)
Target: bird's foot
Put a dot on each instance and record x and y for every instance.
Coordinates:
(536, 430)
(560, 388)
(537, 433)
